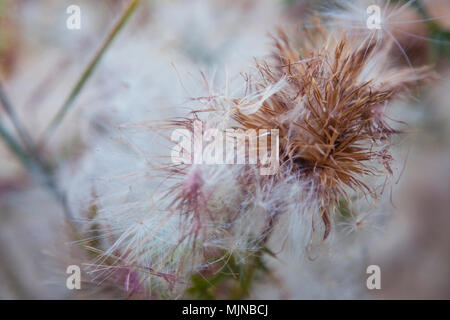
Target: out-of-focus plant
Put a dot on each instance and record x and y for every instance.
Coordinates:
(25, 149)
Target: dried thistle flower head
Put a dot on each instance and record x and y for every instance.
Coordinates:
(330, 115)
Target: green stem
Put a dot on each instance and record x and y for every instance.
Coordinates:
(36, 166)
(23, 134)
(15, 147)
(87, 73)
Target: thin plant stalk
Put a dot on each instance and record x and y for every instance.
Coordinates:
(21, 131)
(15, 147)
(36, 168)
(28, 156)
(87, 73)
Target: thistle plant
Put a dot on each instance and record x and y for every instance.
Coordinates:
(170, 225)
(315, 111)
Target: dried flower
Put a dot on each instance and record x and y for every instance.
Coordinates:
(326, 97)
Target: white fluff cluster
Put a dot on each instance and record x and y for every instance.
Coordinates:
(379, 22)
(154, 225)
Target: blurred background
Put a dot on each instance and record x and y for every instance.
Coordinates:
(41, 60)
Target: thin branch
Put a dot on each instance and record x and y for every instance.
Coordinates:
(36, 168)
(16, 148)
(35, 165)
(87, 73)
(23, 134)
